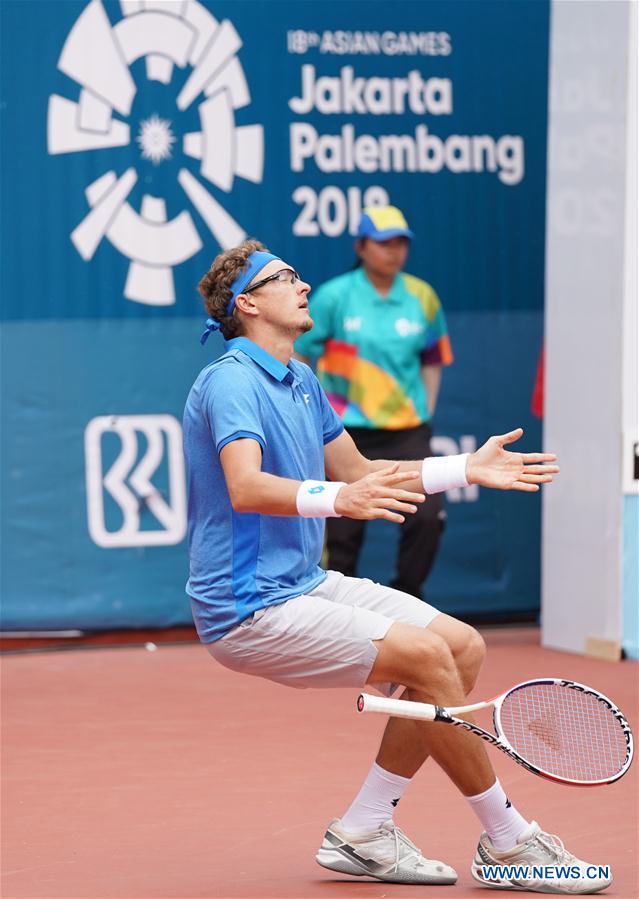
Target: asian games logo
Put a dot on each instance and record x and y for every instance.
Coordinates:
(177, 50)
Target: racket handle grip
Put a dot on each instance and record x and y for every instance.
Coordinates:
(397, 708)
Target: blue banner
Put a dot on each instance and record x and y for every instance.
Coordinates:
(141, 137)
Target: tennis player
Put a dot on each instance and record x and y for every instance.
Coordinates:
(268, 460)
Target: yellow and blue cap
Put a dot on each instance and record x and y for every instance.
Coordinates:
(382, 223)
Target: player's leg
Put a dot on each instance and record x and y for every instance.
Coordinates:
(452, 653)
(424, 662)
(464, 643)
(468, 651)
(447, 656)
(422, 659)
(314, 640)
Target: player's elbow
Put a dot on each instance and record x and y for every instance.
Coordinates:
(242, 496)
(237, 503)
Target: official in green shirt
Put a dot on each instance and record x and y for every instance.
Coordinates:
(380, 340)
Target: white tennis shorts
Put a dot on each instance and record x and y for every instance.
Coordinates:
(323, 638)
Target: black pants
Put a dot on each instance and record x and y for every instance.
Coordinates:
(420, 533)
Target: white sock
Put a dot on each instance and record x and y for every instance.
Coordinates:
(502, 822)
(375, 803)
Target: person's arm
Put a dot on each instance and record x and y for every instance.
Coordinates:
(251, 489)
(377, 489)
(431, 377)
(376, 495)
(233, 409)
(489, 466)
(436, 351)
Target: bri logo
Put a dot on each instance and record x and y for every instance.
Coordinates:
(125, 456)
(318, 489)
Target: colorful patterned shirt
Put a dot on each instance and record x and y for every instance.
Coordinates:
(370, 349)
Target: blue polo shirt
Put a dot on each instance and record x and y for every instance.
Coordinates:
(241, 561)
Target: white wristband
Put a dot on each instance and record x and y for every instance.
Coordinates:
(441, 473)
(316, 499)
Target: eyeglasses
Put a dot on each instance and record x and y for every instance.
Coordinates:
(286, 276)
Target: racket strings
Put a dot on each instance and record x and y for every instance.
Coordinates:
(563, 731)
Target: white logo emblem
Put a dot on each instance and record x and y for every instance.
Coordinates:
(307, 398)
(128, 482)
(352, 323)
(404, 327)
(155, 139)
(98, 56)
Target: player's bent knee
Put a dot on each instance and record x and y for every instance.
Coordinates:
(414, 657)
(472, 659)
(467, 646)
(433, 662)
(434, 649)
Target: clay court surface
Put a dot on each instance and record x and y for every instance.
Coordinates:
(137, 774)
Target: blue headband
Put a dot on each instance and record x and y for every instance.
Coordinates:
(254, 264)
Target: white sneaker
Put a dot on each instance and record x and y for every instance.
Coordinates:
(386, 854)
(539, 863)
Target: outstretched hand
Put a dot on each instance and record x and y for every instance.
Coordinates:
(378, 495)
(494, 466)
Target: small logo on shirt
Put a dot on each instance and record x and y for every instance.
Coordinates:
(317, 489)
(307, 398)
(508, 803)
(352, 323)
(405, 328)
(394, 802)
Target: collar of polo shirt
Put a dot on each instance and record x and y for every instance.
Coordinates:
(396, 293)
(269, 363)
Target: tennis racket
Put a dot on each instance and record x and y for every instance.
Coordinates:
(555, 728)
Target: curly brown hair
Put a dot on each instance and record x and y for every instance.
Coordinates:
(215, 286)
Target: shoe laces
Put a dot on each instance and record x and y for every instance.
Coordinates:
(554, 845)
(401, 838)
